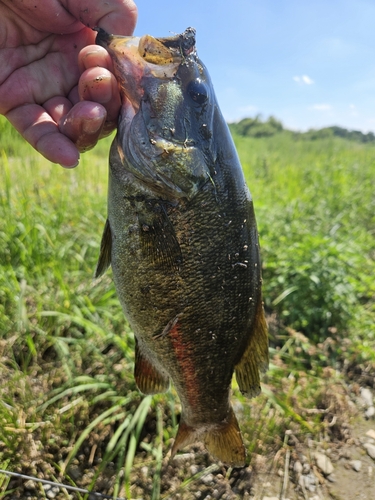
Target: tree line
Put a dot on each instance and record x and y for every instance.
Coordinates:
(256, 127)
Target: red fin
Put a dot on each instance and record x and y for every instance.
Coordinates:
(223, 441)
(255, 357)
(149, 380)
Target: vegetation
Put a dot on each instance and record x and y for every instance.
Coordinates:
(256, 127)
(69, 409)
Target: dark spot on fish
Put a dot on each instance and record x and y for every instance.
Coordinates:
(206, 132)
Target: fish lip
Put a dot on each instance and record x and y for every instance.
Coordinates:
(184, 42)
(102, 37)
(136, 58)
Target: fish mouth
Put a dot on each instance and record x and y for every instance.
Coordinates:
(139, 60)
(137, 57)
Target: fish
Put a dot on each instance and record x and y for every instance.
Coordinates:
(182, 240)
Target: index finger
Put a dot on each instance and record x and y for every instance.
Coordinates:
(114, 16)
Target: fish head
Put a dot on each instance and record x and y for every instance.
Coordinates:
(168, 107)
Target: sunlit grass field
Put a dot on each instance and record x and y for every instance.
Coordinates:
(69, 408)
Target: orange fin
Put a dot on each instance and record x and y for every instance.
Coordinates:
(105, 251)
(223, 441)
(149, 380)
(255, 358)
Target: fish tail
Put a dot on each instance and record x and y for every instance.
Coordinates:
(223, 441)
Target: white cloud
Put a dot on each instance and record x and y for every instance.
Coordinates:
(304, 79)
(321, 107)
(353, 110)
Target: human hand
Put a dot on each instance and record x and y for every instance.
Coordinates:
(56, 88)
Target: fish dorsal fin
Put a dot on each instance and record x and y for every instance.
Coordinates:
(105, 251)
(223, 441)
(255, 358)
(149, 379)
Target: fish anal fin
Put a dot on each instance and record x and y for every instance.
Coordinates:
(148, 378)
(105, 251)
(186, 435)
(255, 358)
(223, 441)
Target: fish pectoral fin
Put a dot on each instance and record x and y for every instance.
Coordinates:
(149, 379)
(105, 251)
(223, 441)
(255, 358)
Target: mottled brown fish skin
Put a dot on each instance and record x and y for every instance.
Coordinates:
(182, 240)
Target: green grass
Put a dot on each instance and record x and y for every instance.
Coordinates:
(68, 402)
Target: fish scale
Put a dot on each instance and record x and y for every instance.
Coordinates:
(182, 240)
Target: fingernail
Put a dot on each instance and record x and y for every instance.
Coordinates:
(70, 166)
(92, 126)
(88, 55)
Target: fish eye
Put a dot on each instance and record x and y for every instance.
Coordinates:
(198, 91)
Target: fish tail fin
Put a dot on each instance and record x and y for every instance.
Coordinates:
(223, 441)
(255, 357)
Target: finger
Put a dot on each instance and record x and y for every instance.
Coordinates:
(100, 85)
(114, 16)
(58, 107)
(92, 56)
(83, 124)
(41, 131)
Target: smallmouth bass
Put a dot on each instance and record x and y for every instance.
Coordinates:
(182, 240)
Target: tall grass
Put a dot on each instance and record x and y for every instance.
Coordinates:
(316, 213)
(67, 393)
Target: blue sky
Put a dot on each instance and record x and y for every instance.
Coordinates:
(310, 64)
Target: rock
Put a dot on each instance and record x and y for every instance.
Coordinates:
(371, 433)
(51, 492)
(308, 482)
(331, 478)
(306, 468)
(356, 465)
(370, 448)
(30, 485)
(207, 479)
(370, 412)
(194, 469)
(366, 396)
(323, 463)
(184, 457)
(297, 467)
